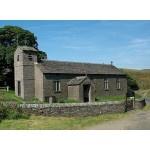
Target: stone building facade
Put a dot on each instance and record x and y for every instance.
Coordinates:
(52, 80)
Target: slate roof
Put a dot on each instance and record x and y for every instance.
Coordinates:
(77, 68)
(77, 80)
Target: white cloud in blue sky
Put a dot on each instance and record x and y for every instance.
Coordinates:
(126, 43)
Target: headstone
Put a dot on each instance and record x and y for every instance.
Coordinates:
(7, 88)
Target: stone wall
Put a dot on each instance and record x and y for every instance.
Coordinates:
(76, 109)
(139, 104)
(80, 109)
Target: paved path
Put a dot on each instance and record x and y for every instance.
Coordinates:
(137, 120)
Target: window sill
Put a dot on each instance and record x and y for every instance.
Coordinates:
(106, 89)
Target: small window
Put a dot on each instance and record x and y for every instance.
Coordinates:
(17, 57)
(19, 88)
(118, 84)
(106, 85)
(57, 87)
(30, 57)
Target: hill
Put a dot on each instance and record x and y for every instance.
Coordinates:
(146, 70)
(142, 78)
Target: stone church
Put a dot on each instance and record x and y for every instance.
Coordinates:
(52, 80)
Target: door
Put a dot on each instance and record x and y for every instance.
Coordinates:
(86, 92)
(19, 88)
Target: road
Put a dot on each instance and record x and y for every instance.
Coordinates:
(136, 120)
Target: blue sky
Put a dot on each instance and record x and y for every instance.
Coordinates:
(126, 43)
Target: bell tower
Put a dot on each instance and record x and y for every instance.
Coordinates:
(24, 59)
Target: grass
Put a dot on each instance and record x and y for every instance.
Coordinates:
(144, 93)
(57, 123)
(147, 108)
(109, 98)
(9, 97)
(68, 101)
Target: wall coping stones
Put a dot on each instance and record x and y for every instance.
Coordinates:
(79, 109)
(68, 104)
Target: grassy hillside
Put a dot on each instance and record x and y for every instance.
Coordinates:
(142, 78)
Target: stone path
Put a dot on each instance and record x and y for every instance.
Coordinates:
(137, 120)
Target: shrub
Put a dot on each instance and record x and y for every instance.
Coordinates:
(11, 112)
(132, 84)
(3, 112)
(34, 100)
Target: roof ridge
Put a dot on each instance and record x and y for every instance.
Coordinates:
(76, 62)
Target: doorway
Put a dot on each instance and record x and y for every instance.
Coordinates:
(19, 88)
(86, 92)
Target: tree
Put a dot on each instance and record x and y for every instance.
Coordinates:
(10, 38)
(132, 84)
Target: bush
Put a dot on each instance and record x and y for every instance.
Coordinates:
(130, 92)
(132, 84)
(9, 112)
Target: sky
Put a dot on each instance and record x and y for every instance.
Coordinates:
(126, 43)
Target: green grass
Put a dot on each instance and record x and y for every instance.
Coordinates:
(57, 123)
(9, 97)
(109, 98)
(68, 101)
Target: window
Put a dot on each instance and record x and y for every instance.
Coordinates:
(57, 86)
(19, 88)
(106, 86)
(30, 57)
(17, 57)
(118, 84)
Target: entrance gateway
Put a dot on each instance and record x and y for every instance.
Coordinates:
(86, 92)
(79, 88)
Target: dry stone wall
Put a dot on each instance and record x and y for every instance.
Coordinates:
(80, 109)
